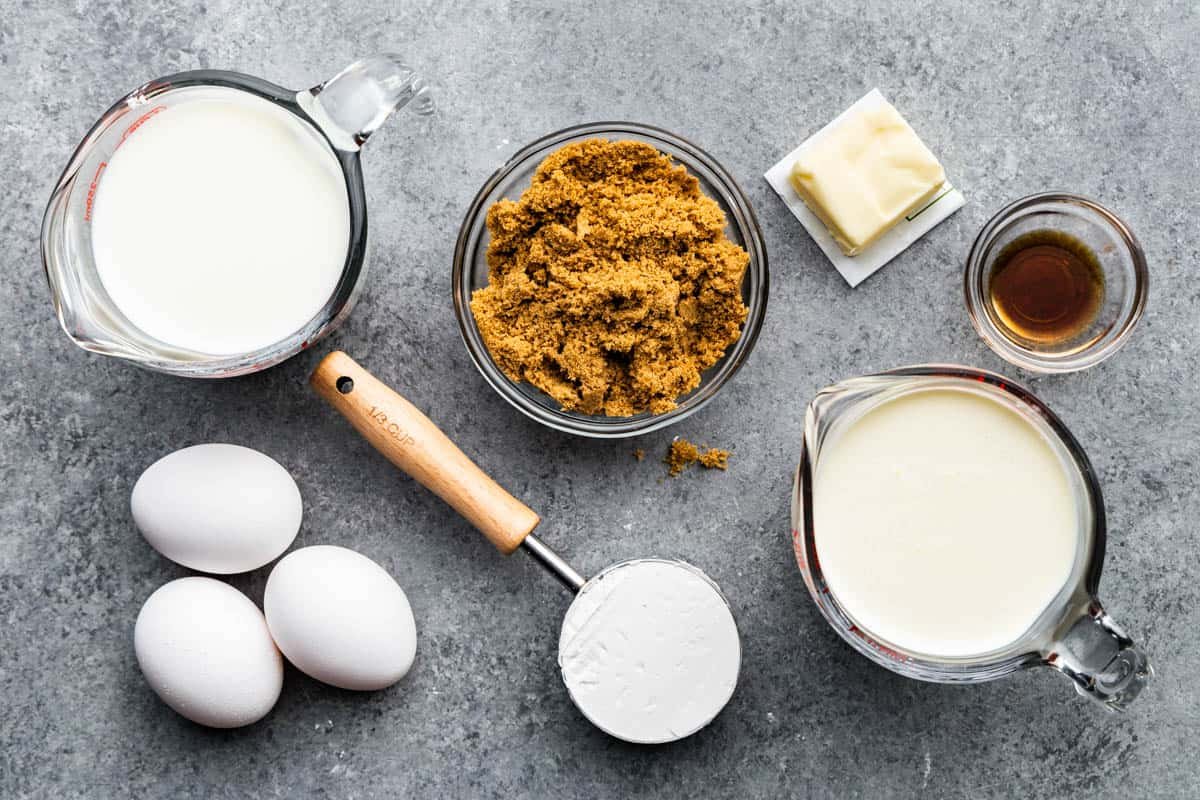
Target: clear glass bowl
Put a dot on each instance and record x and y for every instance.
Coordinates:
(471, 273)
(1126, 281)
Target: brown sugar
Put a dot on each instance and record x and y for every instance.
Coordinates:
(612, 285)
(683, 454)
(715, 458)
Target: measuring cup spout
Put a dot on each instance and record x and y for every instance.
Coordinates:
(351, 105)
(1101, 659)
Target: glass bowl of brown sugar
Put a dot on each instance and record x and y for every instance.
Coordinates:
(564, 396)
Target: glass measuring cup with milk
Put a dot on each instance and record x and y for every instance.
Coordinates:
(213, 224)
(950, 528)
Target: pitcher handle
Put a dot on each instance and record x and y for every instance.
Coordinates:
(351, 105)
(1101, 659)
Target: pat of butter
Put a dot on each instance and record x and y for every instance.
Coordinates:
(867, 173)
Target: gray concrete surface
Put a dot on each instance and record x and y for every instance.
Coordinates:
(1016, 97)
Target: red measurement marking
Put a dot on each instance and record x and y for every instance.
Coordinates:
(139, 122)
(91, 195)
(889, 652)
(798, 549)
(882, 648)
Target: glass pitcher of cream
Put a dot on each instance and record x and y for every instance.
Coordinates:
(951, 529)
(213, 224)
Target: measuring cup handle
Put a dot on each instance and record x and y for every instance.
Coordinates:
(352, 104)
(1101, 659)
(408, 439)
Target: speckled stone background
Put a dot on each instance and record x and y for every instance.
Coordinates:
(1015, 97)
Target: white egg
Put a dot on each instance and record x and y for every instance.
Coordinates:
(217, 508)
(206, 652)
(340, 618)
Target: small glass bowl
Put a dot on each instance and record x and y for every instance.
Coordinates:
(471, 273)
(1126, 280)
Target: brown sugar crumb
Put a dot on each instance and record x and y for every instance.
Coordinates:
(715, 458)
(639, 454)
(611, 284)
(683, 454)
(680, 456)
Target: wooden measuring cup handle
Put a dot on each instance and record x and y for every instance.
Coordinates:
(408, 439)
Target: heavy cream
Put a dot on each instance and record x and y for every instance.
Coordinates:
(944, 522)
(221, 225)
(649, 651)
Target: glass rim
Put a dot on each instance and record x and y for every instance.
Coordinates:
(755, 283)
(1079, 588)
(1026, 358)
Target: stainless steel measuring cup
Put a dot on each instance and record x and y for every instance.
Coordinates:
(1074, 634)
(341, 113)
(408, 439)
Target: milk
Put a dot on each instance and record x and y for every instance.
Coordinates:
(221, 224)
(944, 522)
